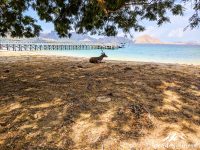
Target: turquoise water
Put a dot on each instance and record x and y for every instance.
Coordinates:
(184, 54)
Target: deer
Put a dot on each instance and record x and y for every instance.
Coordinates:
(97, 59)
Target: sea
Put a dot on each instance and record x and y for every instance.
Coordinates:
(181, 54)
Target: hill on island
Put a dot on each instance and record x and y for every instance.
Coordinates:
(147, 39)
(84, 37)
(74, 36)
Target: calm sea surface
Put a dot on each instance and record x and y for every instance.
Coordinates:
(184, 54)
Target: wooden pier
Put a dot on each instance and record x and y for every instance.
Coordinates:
(28, 46)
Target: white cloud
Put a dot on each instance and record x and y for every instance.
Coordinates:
(176, 33)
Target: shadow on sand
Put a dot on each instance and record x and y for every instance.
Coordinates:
(52, 104)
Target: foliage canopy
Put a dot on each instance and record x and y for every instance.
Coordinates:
(103, 17)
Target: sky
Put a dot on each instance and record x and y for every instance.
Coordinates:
(168, 32)
(173, 31)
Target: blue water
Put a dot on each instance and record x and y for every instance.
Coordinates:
(184, 54)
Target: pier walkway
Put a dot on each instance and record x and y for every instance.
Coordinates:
(33, 46)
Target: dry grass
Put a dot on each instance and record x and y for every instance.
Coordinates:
(50, 103)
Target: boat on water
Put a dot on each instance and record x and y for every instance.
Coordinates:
(122, 45)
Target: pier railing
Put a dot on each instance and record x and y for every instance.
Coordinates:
(28, 46)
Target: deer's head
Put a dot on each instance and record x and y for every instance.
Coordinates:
(103, 54)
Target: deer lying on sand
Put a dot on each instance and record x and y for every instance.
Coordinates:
(98, 59)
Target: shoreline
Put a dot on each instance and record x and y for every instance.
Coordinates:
(5, 53)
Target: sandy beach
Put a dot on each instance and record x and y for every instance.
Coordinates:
(59, 102)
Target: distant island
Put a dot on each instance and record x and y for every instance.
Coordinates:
(86, 38)
(143, 39)
(147, 39)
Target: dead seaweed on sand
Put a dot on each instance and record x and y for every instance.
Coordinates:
(52, 103)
